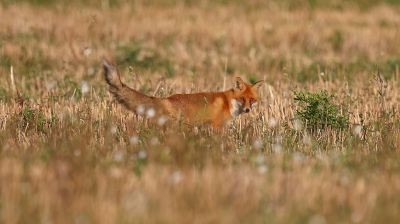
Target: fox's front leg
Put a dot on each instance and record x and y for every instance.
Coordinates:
(218, 121)
(217, 124)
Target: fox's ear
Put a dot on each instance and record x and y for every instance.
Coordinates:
(239, 84)
(258, 84)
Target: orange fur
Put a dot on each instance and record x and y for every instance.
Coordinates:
(207, 107)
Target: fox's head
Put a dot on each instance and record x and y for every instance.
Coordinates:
(245, 96)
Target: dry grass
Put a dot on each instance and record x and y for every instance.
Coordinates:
(69, 154)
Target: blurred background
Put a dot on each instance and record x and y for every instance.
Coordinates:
(321, 147)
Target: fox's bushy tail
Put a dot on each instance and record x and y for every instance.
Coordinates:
(112, 76)
(130, 98)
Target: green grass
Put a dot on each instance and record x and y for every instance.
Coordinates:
(70, 154)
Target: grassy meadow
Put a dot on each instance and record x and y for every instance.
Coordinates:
(321, 147)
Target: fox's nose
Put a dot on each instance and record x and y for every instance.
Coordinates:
(247, 110)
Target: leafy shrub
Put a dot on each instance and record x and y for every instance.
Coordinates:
(318, 111)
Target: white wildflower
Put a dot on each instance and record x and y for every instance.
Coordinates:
(113, 130)
(134, 140)
(142, 154)
(257, 144)
(150, 113)
(297, 125)
(298, 157)
(176, 177)
(262, 168)
(85, 88)
(118, 156)
(357, 131)
(140, 109)
(91, 71)
(77, 153)
(154, 141)
(50, 85)
(272, 122)
(162, 120)
(87, 51)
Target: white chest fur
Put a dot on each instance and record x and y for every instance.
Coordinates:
(236, 108)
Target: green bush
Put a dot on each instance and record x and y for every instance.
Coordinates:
(317, 111)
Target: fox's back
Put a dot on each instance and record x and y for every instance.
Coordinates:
(197, 106)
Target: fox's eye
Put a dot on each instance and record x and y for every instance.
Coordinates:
(252, 101)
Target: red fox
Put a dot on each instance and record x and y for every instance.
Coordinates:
(214, 108)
